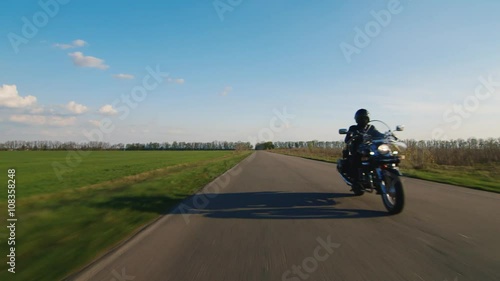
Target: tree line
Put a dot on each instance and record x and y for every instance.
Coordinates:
(299, 144)
(453, 152)
(58, 145)
(418, 154)
(470, 143)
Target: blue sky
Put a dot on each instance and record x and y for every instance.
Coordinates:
(234, 67)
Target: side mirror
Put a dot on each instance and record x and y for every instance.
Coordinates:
(343, 131)
(400, 128)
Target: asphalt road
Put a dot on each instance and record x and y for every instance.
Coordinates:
(276, 217)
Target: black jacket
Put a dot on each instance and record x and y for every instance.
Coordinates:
(368, 129)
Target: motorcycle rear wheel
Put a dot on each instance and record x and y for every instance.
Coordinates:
(357, 189)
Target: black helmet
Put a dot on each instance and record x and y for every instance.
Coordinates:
(362, 117)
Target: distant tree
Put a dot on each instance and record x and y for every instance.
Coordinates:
(264, 146)
(242, 146)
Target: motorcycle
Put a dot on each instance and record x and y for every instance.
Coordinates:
(379, 171)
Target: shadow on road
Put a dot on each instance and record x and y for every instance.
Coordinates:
(251, 205)
(274, 205)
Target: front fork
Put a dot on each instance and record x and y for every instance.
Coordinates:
(381, 174)
(380, 181)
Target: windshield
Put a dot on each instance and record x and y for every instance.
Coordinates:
(388, 135)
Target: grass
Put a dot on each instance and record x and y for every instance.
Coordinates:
(482, 177)
(35, 168)
(62, 227)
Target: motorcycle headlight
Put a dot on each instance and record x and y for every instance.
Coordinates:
(384, 149)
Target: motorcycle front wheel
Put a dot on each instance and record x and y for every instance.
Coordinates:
(394, 198)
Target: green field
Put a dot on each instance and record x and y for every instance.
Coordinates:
(65, 223)
(483, 177)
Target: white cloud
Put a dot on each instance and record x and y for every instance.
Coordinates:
(37, 110)
(29, 119)
(79, 43)
(175, 80)
(107, 110)
(96, 123)
(76, 108)
(75, 44)
(123, 76)
(9, 97)
(43, 120)
(61, 121)
(226, 91)
(87, 61)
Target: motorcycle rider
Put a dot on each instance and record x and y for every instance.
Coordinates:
(355, 136)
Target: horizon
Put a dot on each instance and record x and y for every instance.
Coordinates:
(253, 72)
(161, 145)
